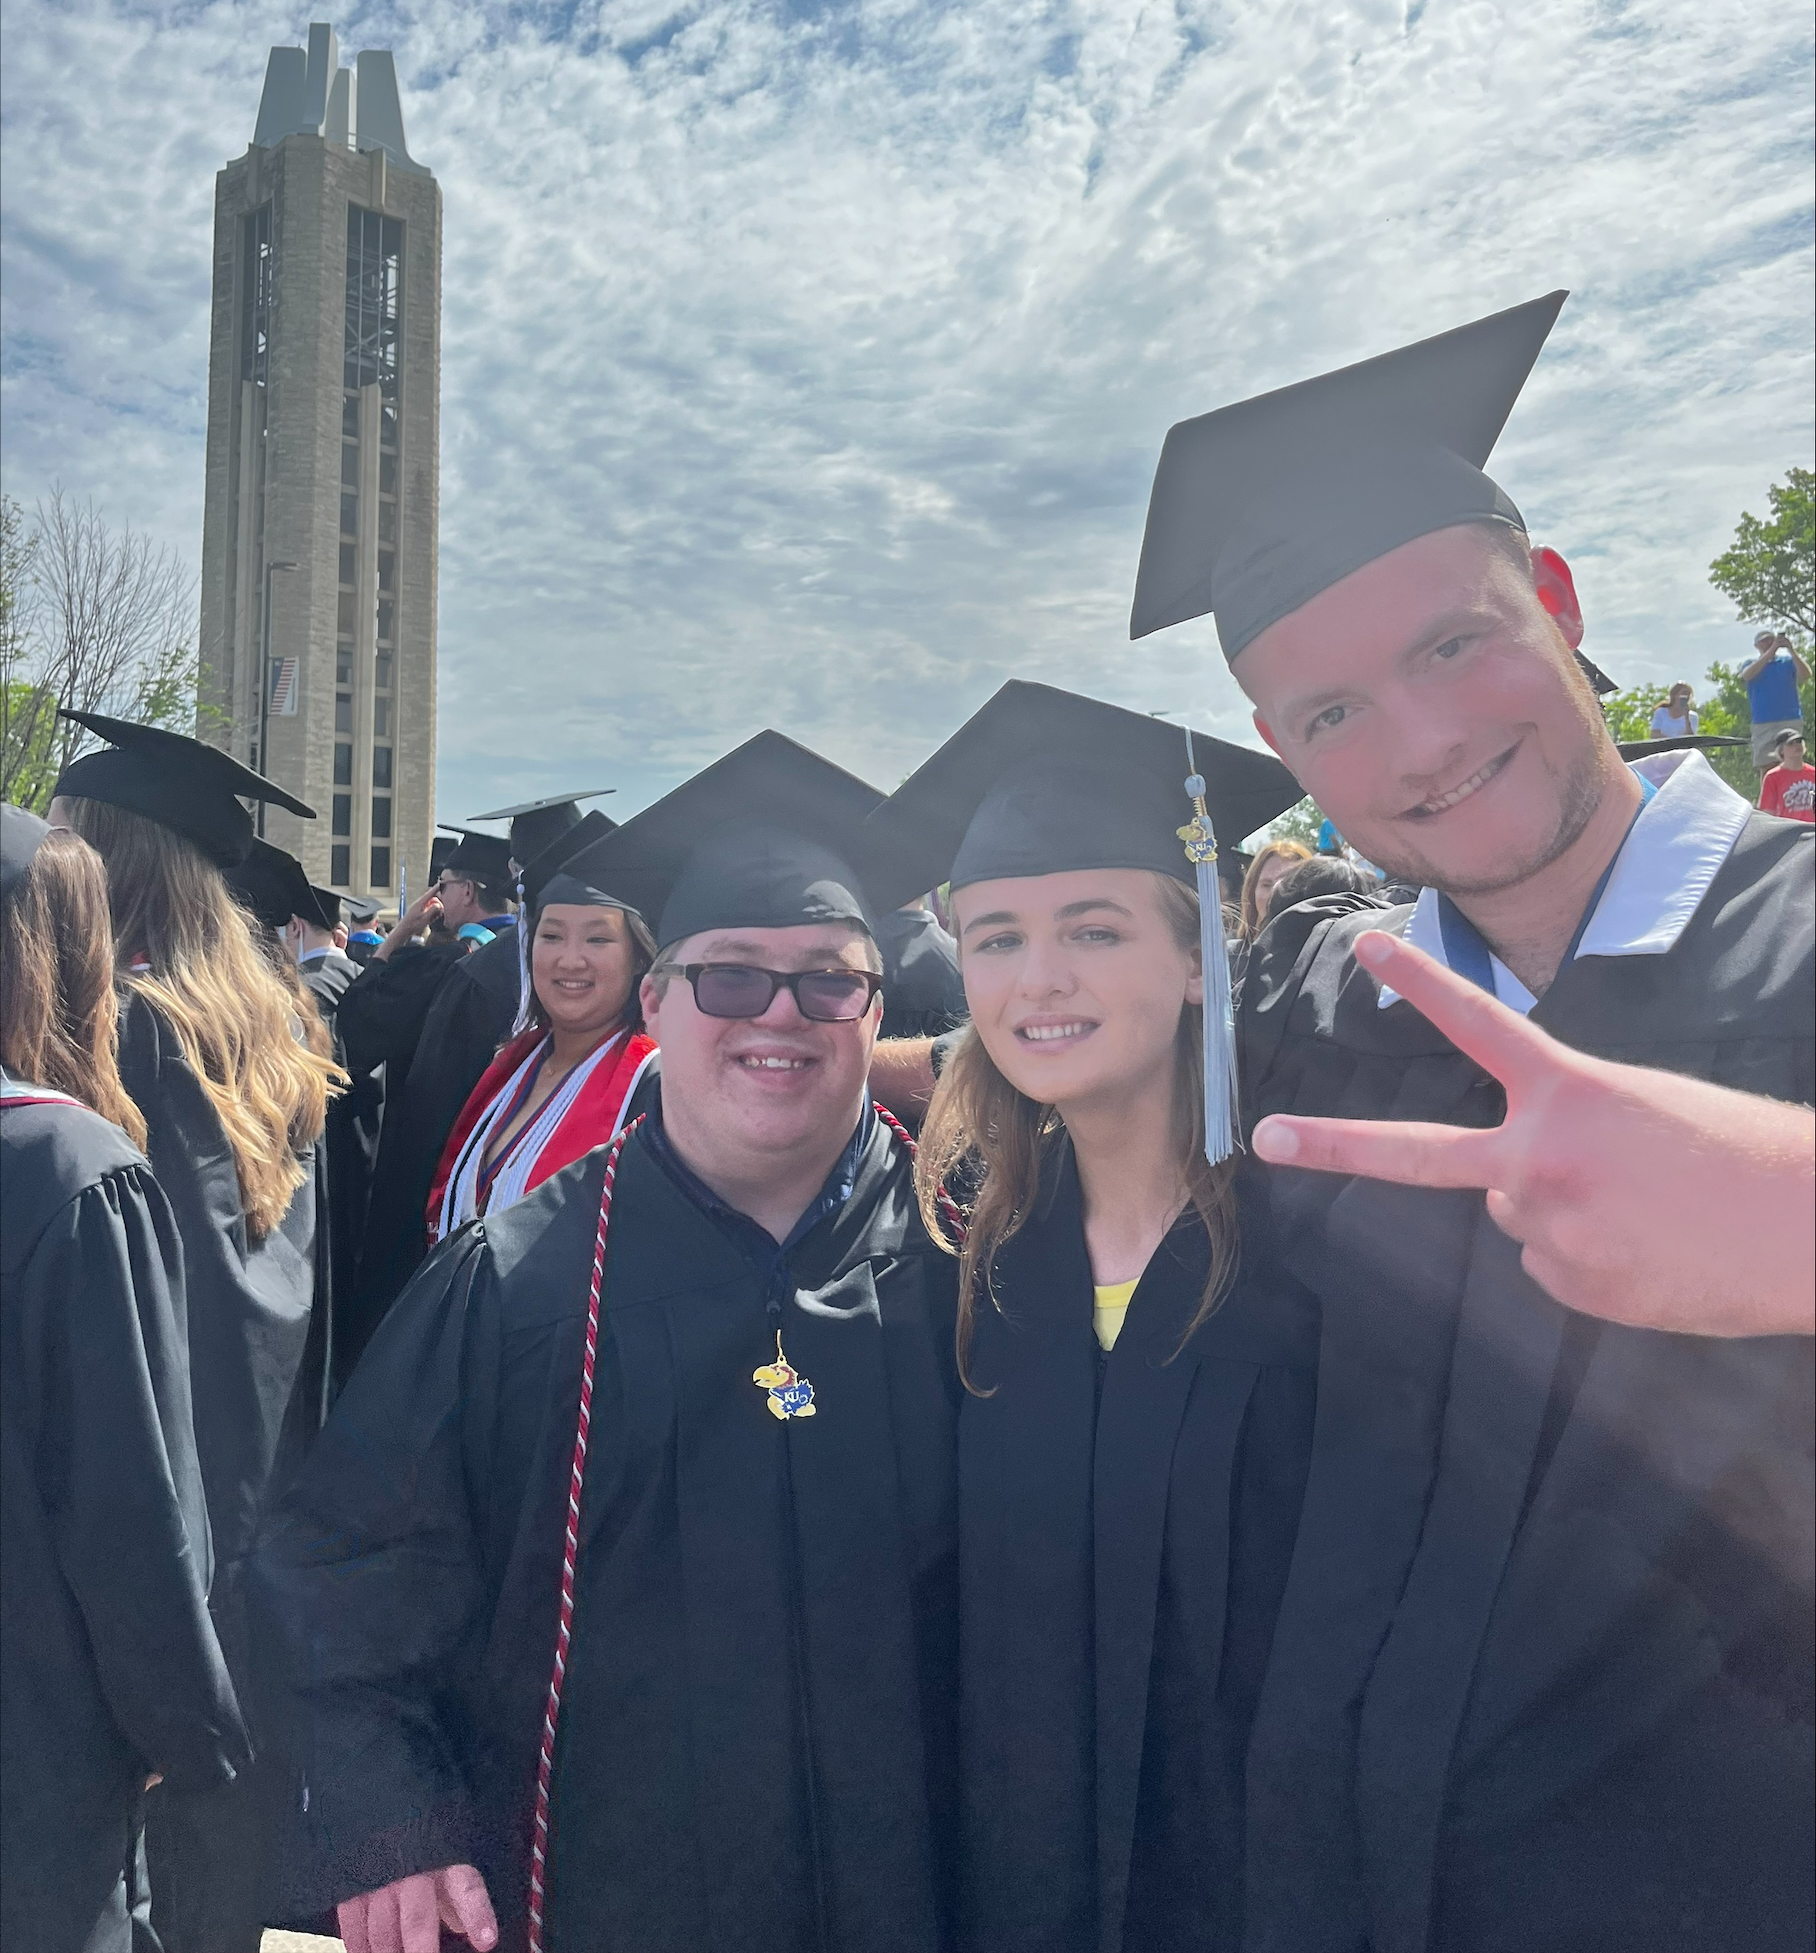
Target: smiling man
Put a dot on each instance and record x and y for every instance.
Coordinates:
(685, 1412)
(1541, 1674)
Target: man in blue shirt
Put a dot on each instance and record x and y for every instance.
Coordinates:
(1772, 680)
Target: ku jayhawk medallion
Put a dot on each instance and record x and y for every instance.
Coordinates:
(789, 1395)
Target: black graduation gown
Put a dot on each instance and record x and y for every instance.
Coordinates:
(1542, 1676)
(1126, 1522)
(463, 1022)
(109, 1667)
(923, 992)
(755, 1743)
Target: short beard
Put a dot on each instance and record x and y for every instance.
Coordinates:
(1584, 784)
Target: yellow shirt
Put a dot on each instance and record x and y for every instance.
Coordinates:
(1109, 1307)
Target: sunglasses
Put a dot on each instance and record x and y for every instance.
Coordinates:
(744, 990)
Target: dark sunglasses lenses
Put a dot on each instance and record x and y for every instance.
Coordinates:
(827, 996)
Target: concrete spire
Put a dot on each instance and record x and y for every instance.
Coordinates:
(308, 92)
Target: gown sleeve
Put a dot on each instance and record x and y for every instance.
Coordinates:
(380, 1017)
(124, 1490)
(369, 1580)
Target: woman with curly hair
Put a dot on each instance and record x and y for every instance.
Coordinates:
(110, 1672)
(231, 1072)
(1273, 861)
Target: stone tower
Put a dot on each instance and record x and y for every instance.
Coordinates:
(319, 538)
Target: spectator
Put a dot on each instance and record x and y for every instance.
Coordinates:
(1271, 865)
(1789, 790)
(1322, 875)
(1772, 680)
(1329, 842)
(1676, 718)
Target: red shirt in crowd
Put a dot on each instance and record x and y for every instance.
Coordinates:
(1789, 792)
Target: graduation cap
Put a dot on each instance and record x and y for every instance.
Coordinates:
(191, 788)
(758, 840)
(21, 836)
(1259, 506)
(440, 847)
(1603, 685)
(477, 856)
(361, 908)
(1701, 742)
(274, 886)
(537, 824)
(1041, 781)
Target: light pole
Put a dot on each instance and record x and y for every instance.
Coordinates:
(264, 765)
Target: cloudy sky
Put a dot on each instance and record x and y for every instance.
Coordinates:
(807, 365)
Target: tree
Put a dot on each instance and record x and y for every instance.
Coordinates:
(1769, 570)
(1300, 823)
(94, 621)
(1629, 716)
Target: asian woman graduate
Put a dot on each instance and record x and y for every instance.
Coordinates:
(1131, 1450)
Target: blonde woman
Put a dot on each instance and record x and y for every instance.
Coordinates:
(231, 1074)
(109, 1668)
(1134, 1442)
(1272, 863)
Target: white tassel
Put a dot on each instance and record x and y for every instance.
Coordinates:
(523, 963)
(1220, 1111)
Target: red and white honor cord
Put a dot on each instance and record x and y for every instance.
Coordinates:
(570, 1548)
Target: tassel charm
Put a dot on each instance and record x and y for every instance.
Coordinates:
(1220, 1116)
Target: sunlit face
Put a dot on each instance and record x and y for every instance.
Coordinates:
(582, 966)
(1075, 981)
(734, 1086)
(1432, 708)
(460, 901)
(1273, 871)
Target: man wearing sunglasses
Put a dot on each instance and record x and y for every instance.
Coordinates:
(687, 1415)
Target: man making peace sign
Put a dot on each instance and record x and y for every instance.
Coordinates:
(1541, 1674)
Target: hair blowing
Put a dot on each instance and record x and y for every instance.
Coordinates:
(233, 1017)
(982, 1129)
(59, 1018)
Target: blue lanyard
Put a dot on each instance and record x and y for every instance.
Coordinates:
(1470, 956)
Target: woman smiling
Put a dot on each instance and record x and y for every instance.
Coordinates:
(1131, 1451)
(563, 1085)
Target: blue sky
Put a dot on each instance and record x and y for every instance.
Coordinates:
(806, 365)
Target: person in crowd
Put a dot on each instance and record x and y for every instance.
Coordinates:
(1131, 1445)
(1273, 861)
(1321, 875)
(475, 1005)
(1789, 788)
(1772, 680)
(1541, 1675)
(362, 939)
(110, 1672)
(1676, 717)
(232, 1082)
(567, 1082)
(923, 993)
(686, 1412)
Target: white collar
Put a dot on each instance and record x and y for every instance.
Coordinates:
(314, 955)
(1675, 849)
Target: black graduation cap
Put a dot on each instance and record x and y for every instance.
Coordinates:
(361, 908)
(440, 847)
(1039, 780)
(1603, 685)
(274, 886)
(537, 824)
(1632, 749)
(484, 857)
(21, 836)
(191, 788)
(1260, 505)
(549, 877)
(758, 840)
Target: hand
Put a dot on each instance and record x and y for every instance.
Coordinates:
(1639, 1196)
(407, 1915)
(425, 910)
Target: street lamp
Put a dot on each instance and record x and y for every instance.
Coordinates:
(264, 765)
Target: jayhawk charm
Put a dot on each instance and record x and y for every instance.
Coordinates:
(789, 1395)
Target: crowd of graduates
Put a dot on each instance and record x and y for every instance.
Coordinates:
(821, 1372)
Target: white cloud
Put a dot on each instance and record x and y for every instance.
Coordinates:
(809, 368)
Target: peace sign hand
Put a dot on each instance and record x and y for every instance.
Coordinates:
(1638, 1195)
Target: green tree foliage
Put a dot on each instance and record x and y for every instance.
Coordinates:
(1300, 823)
(1769, 570)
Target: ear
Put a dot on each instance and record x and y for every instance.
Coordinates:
(649, 1001)
(1557, 594)
(1267, 733)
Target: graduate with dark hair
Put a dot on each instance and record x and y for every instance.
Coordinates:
(684, 1413)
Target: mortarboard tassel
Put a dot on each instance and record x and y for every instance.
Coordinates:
(523, 963)
(1214, 957)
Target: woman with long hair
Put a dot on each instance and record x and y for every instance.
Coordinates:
(110, 1672)
(1132, 1446)
(232, 1080)
(1272, 862)
(565, 1083)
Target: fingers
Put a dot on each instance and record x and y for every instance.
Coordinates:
(418, 1915)
(1482, 1027)
(1411, 1155)
(383, 1933)
(464, 1896)
(350, 1915)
